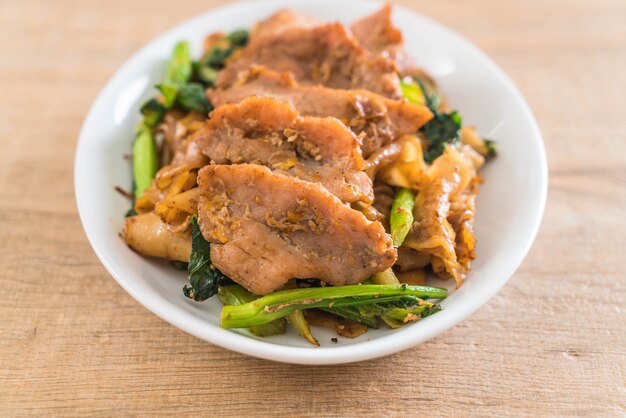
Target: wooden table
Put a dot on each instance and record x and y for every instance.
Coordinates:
(551, 343)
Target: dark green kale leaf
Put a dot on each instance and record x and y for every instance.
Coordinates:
(206, 74)
(430, 92)
(191, 97)
(203, 277)
(152, 112)
(216, 57)
(492, 147)
(238, 38)
(442, 130)
(130, 212)
(214, 60)
(433, 310)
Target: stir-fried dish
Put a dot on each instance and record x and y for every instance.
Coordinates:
(306, 173)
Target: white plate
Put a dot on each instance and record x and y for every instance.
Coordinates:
(510, 203)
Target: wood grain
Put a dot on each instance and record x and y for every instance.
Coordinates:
(551, 343)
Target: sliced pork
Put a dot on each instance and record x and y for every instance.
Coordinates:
(326, 54)
(266, 228)
(282, 20)
(272, 133)
(377, 34)
(375, 119)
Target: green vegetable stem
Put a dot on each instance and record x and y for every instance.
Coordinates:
(297, 320)
(385, 277)
(179, 67)
(281, 303)
(234, 294)
(401, 217)
(412, 92)
(145, 159)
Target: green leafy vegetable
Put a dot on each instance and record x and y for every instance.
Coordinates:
(203, 277)
(354, 313)
(401, 216)
(214, 60)
(206, 74)
(152, 112)
(169, 93)
(145, 159)
(216, 57)
(237, 295)
(191, 97)
(394, 314)
(177, 74)
(188, 96)
(492, 147)
(281, 303)
(238, 38)
(412, 92)
(131, 212)
(179, 66)
(441, 131)
(432, 96)
(397, 316)
(175, 90)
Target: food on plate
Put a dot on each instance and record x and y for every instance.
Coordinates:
(327, 54)
(306, 173)
(376, 120)
(320, 150)
(267, 228)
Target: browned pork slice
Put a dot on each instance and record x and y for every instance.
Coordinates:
(266, 228)
(377, 34)
(282, 20)
(381, 119)
(327, 55)
(272, 133)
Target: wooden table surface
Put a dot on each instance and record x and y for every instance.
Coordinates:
(551, 343)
